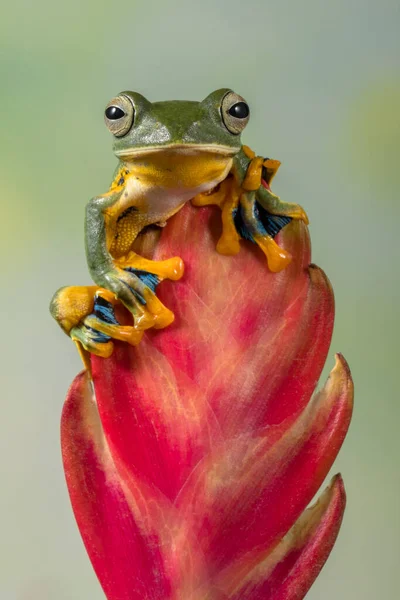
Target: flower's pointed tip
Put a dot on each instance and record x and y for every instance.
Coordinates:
(312, 539)
(318, 276)
(114, 531)
(81, 381)
(342, 365)
(289, 571)
(340, 380)
(80, 388)
(336, 485)
(334, 495)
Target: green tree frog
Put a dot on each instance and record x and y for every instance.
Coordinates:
(169, 153)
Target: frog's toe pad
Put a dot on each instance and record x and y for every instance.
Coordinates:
(151, 272)
(277, 258)
(174, 268)
(159, 316)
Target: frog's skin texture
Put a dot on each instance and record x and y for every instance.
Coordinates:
(169, 153)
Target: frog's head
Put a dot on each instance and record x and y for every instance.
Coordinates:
(200, 137)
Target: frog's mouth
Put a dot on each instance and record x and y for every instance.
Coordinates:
(179, 149)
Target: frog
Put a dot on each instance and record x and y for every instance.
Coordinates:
(168, 153)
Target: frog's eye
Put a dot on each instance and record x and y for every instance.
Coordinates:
(119, 115)
(235, 112)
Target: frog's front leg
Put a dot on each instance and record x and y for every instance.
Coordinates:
(129, 282)
(275, 206)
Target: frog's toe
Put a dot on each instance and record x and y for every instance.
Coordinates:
(174, 268)
(277, 258)
(152, 270)
(126, 333)
(160, 314)
(148, 311)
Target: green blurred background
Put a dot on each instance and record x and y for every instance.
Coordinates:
(323, 82)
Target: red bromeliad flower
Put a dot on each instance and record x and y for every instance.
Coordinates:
(192, 461)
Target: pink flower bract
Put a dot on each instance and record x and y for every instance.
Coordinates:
(191, 463)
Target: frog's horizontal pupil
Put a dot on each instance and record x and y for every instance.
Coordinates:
(240, 110)
(113, 113)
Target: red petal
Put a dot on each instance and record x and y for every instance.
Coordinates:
(288, 572)
(126, 558)
(206, 453)
(242, 333)
(154, 416)
(293, 391)
(246, 350)
(250, 491)
(134, 536)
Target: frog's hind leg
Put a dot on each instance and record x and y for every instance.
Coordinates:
(86, 314)
(254, 224)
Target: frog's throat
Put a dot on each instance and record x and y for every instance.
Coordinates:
(179, 148)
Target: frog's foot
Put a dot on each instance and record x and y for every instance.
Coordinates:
(251, 211)
(257, 226)
(275, 206)
(269, 170)
(135, 288)
(153, 312)
(91, 341)
(287, 209)
(145, 275)
(260, 171)
(86, 314)
(103, 320)
(259, 175)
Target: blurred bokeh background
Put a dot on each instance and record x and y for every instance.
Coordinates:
(323, 81)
